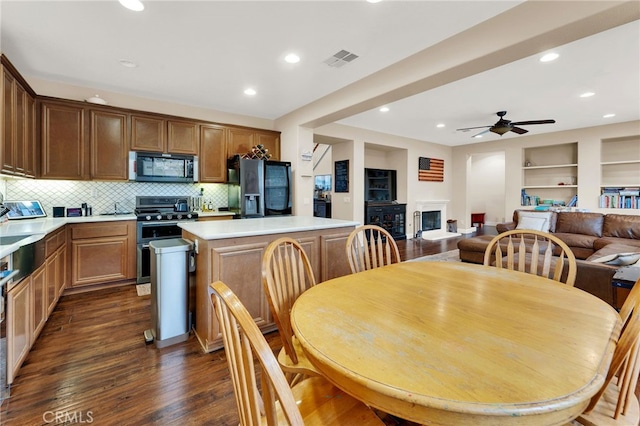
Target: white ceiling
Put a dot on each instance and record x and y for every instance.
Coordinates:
(205, 53)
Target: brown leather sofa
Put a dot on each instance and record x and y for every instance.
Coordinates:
(589, 235)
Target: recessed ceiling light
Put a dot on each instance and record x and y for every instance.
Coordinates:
(127, 63)
(587, 94)
(135, 5)
(608, 115)
(384, 109)
(374, 1)
(477, 136)
(292, 58)
(441, 125)
(552, 56)
(250, 91)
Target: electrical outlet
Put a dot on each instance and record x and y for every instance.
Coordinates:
(95, 192)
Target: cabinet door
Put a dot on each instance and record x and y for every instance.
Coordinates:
(64, 151)
(38, 302)
(213, 159)
(8, 122)
(240, 141)
(98, 260)
(30, 151)
(61, 271)
(271, 141)
(182, 137)
(51, 276)
(109, 146)
(18, 326)
(148, 133)
(20, 121)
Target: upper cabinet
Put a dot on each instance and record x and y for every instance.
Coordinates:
(183, 137)
(65, 154)
(18, 153)
(109, 145)
(213, 149)
(148, 133)
(241, 140)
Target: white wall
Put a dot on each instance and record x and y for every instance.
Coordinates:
(486, 186)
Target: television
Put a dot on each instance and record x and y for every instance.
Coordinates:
(322, 182)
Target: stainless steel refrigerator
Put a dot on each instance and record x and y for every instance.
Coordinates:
(259, 188)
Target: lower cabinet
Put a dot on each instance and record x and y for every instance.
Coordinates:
(19, 317)
(30, 302)
(102, 252)
(391, 217)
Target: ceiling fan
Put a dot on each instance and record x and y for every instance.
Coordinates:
(503, 125)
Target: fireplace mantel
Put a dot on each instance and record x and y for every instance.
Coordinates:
(436, 205)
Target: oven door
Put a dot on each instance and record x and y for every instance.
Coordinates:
(144, 264)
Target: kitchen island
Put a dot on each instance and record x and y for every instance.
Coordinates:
(231, 251)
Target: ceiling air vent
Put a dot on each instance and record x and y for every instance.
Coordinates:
(341, 58)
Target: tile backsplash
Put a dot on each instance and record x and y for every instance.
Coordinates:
(102, 196)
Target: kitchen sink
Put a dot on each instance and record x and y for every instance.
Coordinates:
(5, 241)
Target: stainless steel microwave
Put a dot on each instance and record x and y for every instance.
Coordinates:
(158, 167)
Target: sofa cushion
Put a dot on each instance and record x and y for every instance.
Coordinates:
(621, 226)
(580, 223)
(550, 217)
(612, 252)
(606, 241)
(533, 223)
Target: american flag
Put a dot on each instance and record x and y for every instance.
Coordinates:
(430, 169)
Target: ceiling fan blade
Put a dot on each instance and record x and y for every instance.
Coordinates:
(519, 130)
(466, 129)
(481, 133)
(526, 123)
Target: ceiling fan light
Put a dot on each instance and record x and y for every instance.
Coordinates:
(500, 130)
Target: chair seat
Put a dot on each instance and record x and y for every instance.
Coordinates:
(303, 366)
(602, 414)
(324, 404)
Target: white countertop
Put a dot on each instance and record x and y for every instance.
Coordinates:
(38, 228)
(218, 230)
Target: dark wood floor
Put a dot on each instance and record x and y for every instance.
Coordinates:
(90, 365)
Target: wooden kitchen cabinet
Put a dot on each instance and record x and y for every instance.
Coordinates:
(39, 311)
(18, 125)
(56, 267)
(148, 133)
(65, 154)
(241, 140)
(18, 326)
(213, 158)
(183, 137)
(102, 252)
(109, 143)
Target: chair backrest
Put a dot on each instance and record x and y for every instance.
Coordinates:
(624, 364)
(242, 341)
(532, 252)
(369, 247)
(286, 274)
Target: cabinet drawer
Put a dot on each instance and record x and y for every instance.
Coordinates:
(99, 230)
(54, 242)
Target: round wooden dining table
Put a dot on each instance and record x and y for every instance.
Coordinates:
(451, 343)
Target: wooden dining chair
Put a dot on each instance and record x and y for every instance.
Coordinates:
(616, 402)
(312, 401)
(532, 252)
(286, 274)
(369, 247)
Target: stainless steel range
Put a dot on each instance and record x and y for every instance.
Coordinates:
(158, 219)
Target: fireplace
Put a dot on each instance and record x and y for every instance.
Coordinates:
(431, 220)
(433, 217)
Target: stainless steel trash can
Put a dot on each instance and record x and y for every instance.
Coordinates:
(171, 262)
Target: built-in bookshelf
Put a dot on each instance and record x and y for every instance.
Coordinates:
(620, 173)
(550, 175)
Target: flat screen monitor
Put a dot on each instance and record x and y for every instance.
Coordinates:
(24, 209)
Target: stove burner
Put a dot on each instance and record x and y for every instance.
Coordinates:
(161, 209)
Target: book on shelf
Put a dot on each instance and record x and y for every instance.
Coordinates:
(573, 201)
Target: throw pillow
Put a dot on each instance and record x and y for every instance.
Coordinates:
(546, 216)
(533, 223)
(619, 259)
